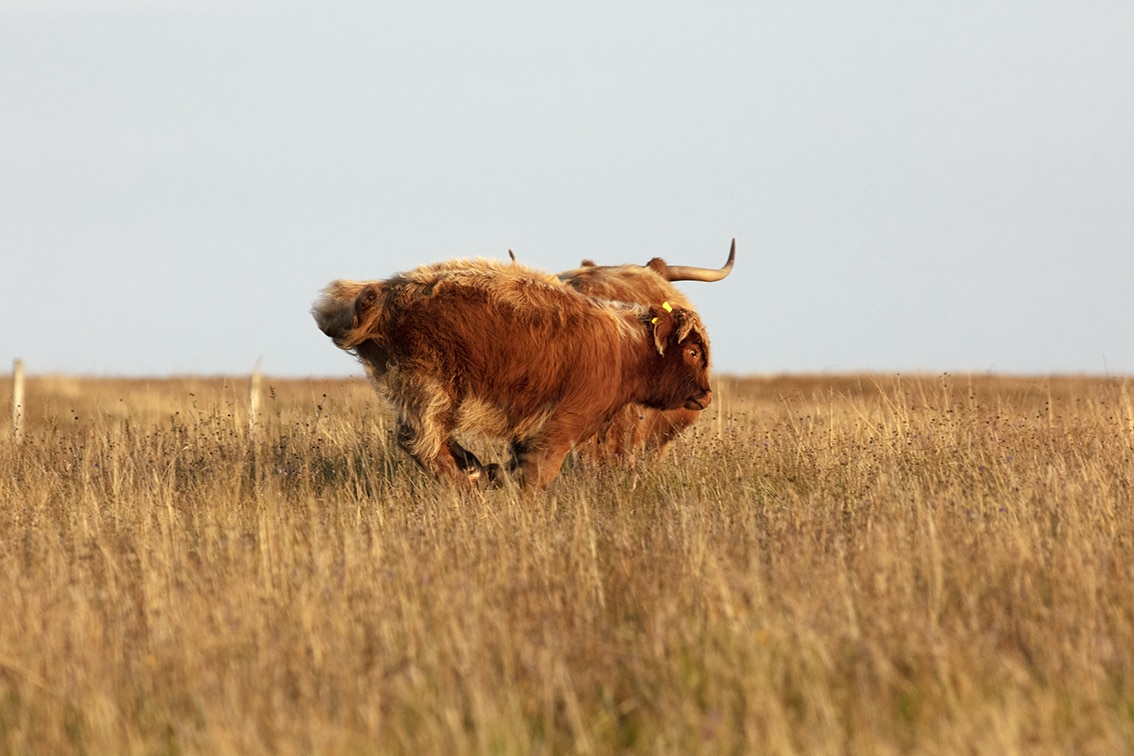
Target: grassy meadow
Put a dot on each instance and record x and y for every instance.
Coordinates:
(823, 565)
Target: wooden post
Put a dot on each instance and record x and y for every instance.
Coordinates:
(18, 400)
(254, 400)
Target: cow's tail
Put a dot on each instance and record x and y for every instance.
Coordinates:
(346, 310)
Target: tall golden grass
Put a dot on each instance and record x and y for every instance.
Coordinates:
(832, 564)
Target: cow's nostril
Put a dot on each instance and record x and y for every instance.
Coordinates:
(699, 402)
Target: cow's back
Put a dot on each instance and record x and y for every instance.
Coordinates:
(624, 283)
(509, 343)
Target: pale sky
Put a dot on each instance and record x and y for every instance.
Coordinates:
(913, 187)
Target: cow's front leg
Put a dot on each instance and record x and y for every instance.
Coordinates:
(540, 461)
(476, 471)
(432, 453)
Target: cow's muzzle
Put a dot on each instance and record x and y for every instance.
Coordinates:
(699, 402)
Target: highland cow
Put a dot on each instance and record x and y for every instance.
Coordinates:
(636, 426)
(503, 350)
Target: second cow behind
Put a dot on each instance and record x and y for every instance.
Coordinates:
(500, 349)
(636, 427)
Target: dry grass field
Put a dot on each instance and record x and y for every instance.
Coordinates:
(834, 564)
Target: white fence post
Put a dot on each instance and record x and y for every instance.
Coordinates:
(254, 400)
(18, 400)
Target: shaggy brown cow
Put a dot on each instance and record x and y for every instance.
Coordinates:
(482, 346)
(635, 426)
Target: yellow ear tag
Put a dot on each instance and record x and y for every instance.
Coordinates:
(668, 308)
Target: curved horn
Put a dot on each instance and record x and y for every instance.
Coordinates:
(689, 273)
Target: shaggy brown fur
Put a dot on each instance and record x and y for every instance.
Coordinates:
(636, 427)
(482, 346)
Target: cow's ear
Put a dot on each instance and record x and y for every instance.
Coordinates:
(662, 323)
(364, 303)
